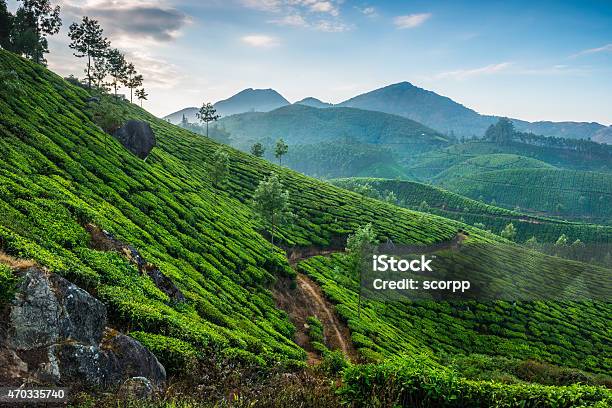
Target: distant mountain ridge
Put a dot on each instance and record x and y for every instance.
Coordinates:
(405, 99)
(248, 100)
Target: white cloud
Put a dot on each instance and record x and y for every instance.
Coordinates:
(265, 5)
(330, 26)
(368, 11)
(605, 48)
(324, 7)
(411, 20)
(260, 41)
(468, 73)
(292, 20)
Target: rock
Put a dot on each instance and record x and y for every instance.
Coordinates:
(93, 99)
(166, 285)
(56, 334)
(137, 137)
(138, 388)
(132, 359)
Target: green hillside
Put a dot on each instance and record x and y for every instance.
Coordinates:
(300, 125)
(491, 162)
(431, 164)
(434, 200)
(570, 194)
(59, 172)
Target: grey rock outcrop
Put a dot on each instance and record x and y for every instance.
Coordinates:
(55, 334)
(137, 137)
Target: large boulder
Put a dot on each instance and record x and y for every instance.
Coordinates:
(137, 137)
(55, 333)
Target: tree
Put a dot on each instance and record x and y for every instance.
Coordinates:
(220, 167)
(359, 250)
(142, 95)
(207, 114)
(117, 67)
(532, 243)
(271, 204)
(258, 150)
(6, 25)
(87, 40)
(99, 72)
(280, 150)
(33, 22)
(509, 232)
(132, 79)
(502, 132)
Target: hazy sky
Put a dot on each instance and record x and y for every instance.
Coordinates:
(533, 60)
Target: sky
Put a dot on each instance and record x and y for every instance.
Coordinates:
(531, 60)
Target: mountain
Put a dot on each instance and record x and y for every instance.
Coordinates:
(234, 328)
(314, 103)
(303, 125)
(603, 136)
(447, 116)
(248, 100)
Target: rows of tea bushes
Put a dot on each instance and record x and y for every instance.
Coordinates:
(570, 194)
(570, 334)
(59, 171)
(413, 383)
(434, 200)
(492, 162)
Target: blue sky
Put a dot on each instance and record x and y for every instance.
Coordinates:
(533, 60)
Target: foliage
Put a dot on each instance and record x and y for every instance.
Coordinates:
(220, 167)
(414, 384)
(87, 40)
(117, 67)
(280, 150)
(107, 114)
(509, 232)
(258, 150)
(8, 284)
(271, 203)
(207, 114)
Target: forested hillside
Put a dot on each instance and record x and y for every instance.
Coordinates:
(60, 173)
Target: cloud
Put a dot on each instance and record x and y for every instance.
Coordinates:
(368, 11)
(468, 73)
(293, 20)
(319, 15)
(411, 20)
(153, 20)
(260, 41)
(605, 48)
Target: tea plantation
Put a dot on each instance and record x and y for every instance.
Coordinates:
(59, 172)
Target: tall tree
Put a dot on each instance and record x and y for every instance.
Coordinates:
(34, 21)
(87, 40)
(271, 203)
(142, 95)
(99, 72)
(502, 132)
(258, 150)
(132, 79)
(359, 250)
(207, 114)
(117, 67)
(509, 232)
(280, 150)
(220, 167)
(6, 25)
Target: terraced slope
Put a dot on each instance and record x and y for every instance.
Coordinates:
(434, 200)
(59, 172)
(429, 165)
(493, 162)
(577, 195)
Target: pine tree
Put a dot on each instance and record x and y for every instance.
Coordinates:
(132, 79)
(142, 95)
(207, 114)
(88, 41)
(118, 66)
